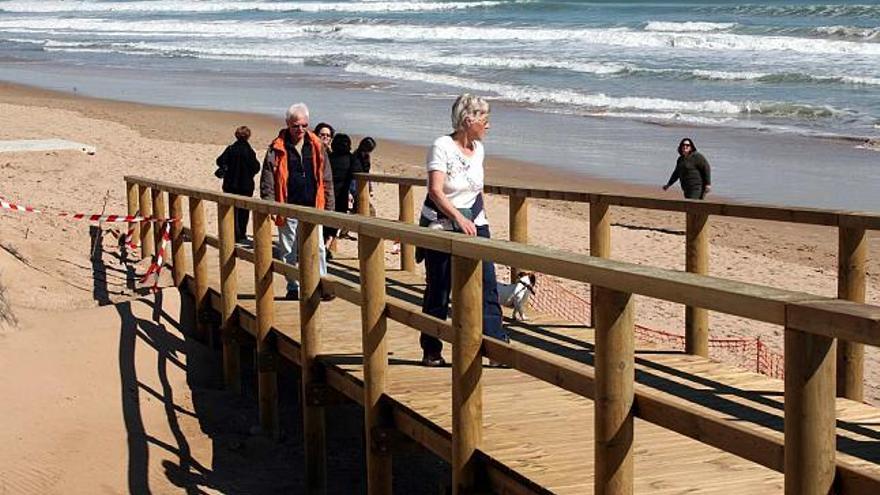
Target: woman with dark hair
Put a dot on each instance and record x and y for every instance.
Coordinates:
(693, 170)
(325, 133)
(364, 149)
(344, 164)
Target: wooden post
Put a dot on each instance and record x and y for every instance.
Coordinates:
(267, 360)
(600, 241)
(178, 265)
(851, 271)
(309, 306)
(159, 211)
(146, 208)
(371, 255)
(615, 373)
(467, 371)
(133, 197)
(519, 225)
(363, 203)
(696, 320)
(229, 298)
(407, 215)
(809, 413)
(200, 266)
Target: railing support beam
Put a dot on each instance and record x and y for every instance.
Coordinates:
(363, 199)
(267, 359)
(309, 309)
(159, 211)
(229, 298)
(696, 320)
(371, 255)
(600, 242)
(519, 225)
(615, 374)
(148, 246)
(200, 267)
(407, 215)
(809, 413)
(178, 256)
(851, 272)
(467, 371)
(133, 199)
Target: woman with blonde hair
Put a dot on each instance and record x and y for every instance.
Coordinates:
(455, 203)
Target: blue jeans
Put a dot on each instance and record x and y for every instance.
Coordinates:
(289, 250)
(438, 278)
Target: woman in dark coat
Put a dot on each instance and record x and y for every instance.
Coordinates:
(237, 166)
(693, 170)
(344, 164)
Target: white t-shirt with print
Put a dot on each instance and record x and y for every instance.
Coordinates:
(464, 175)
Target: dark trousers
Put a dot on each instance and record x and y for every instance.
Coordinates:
(438, 275)
(693, 192)
(242, 215)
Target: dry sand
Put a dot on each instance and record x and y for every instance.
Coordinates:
(46, 274)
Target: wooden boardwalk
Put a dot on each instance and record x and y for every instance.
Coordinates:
(541, 432)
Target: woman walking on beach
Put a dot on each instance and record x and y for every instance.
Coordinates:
(237, 166)
(455, 203)
(693, 170)
(344, 164)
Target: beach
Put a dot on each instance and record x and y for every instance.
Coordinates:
(46, 270)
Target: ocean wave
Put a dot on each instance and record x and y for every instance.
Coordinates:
(688, 26)
(812, 10)
(179, 7)
(850, 33)
(599, 101)
(622, 37)
(784, 77)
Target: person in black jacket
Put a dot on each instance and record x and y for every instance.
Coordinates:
(693, 170)
(237, 166)
(344, 164)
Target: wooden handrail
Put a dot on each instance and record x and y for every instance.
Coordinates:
(809, 216)
(811, 321)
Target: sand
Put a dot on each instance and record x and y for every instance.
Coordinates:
(47, 275)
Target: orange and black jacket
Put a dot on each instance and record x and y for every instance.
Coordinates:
(275, 174)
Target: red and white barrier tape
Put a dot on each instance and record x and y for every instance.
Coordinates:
(157, 264)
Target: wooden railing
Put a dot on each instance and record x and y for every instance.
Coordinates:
(806, 454)
(852, 247)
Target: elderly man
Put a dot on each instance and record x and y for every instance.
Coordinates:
(297, 171)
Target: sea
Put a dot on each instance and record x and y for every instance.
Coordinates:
(783, 97)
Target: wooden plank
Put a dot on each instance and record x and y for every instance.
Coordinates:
(178, 256)
(159, 211)
(519, 225)
(133, 198)
(600, 240)
(371, 254)
(407, 215)
(200, 266)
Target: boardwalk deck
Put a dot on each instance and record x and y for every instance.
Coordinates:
(544, 433)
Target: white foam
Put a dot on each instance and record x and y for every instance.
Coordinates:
(204, 6)
(850, 32)
(688, 26)
(727, 75)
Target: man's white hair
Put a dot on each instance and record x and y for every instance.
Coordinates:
(466, 109)
(296, 109)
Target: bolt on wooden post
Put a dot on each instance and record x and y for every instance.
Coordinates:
(146, 209)
(696, 333)
(851, 272)
(200, 266)
(267, 362)
(600, 241)
(519, 225)
(372, 266)
(467, 372)
(309, 308)
(228, 298)
(407, 215)
(615, 374)
(810, 423)
(178, 256)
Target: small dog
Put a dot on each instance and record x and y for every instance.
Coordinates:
(516, 295)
